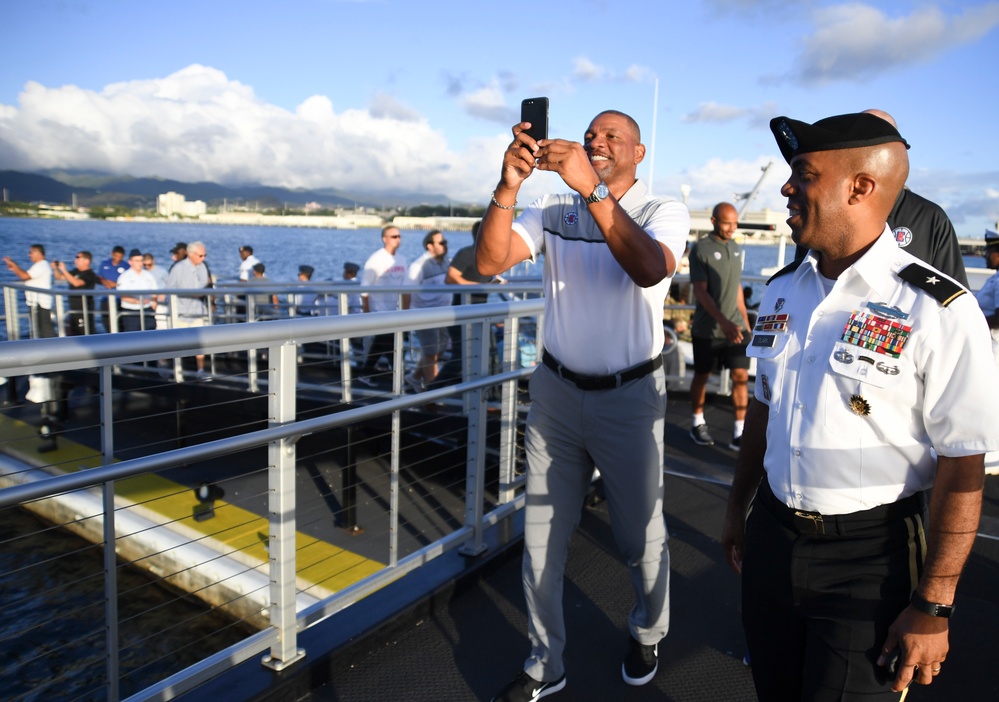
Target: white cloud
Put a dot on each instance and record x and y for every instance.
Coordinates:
(638, 74)
(856, 42)
(586, 70)
(488, 103)
(714, 113)
(385, 106)
(197, 124)
(971, 200)
(719, 180)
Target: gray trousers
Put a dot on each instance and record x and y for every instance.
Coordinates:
(569, 432)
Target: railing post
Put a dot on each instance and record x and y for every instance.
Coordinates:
(475, 464)
(398, 371)
(508, 415)
(281, 509)
(110, 539)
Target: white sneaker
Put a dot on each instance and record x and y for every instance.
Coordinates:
(416, 385)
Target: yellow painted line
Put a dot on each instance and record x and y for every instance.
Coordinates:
(318, 562)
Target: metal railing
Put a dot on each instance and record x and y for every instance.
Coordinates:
(114, 357)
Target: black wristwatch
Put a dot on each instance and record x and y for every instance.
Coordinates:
(931, 608)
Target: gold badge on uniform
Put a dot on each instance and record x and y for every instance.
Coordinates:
(859, 405)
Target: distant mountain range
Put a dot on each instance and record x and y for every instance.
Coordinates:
(97, 190)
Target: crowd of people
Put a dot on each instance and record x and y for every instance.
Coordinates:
(138, 273)
(143, 296)
(860, 445)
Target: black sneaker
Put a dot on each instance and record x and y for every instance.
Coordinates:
(524, 688)
(641, 662)
(700, 435)
(736, 443)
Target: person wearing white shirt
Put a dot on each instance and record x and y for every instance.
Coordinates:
(874, 383)
(38, 275)
(988, 294)
(246, 263)
(138, 312)
(599, 398)
(387, 267)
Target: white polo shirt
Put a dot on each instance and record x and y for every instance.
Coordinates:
(246, 267)
(864, 383)
(141, 281)
(597, 320)
(39, 276)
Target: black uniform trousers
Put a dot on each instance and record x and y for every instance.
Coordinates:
(818, 596)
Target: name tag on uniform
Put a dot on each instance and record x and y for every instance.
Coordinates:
(764, 340)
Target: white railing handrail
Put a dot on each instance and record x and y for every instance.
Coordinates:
(106, 352)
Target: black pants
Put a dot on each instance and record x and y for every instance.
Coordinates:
(80, 324)
(41, 323)
(137, 320)
(816, 607)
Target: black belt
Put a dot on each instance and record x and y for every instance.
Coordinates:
(805, 522)
(602, 382)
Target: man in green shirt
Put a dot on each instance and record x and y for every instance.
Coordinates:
(720, 327)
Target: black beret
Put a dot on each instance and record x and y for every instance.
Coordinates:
(134, 252)
(351, 267)
(308, 270)
(840, 132)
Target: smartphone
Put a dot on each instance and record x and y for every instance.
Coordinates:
(535, 111)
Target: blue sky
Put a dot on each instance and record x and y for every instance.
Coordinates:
(420, 96)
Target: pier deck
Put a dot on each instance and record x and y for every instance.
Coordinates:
(465, 640)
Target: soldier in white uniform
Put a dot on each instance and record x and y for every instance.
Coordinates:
(599, 398)
(875, 382)
(988, 294)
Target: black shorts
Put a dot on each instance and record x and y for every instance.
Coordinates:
(712, 354)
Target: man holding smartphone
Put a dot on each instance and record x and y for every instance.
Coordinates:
(599, 397)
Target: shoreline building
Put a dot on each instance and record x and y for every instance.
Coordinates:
(171, 203)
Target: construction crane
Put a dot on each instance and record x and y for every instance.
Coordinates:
(746, 197)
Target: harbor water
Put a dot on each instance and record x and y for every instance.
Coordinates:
(281, 249)
(53, 587)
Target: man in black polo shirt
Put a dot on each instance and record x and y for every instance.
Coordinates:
(82, 277)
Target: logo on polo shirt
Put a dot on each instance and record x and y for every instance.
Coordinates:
(571, 217)
(903, 236)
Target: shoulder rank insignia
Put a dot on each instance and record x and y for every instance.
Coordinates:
(942, 289)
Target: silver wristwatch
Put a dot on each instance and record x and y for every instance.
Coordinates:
(599, 193)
